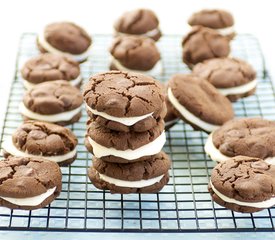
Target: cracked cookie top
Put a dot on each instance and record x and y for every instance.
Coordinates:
(245, 179)
(67, 37)
(53, 97)
(158, 165)
(48, 67)
(225, 72)
(201, 99)
(22, 177)
(212, 45)
(41, 138)
(254, 137)
(215, 18)
(138, 21)
(135, 52)
(123, 94)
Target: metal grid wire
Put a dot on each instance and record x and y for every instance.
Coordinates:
(184, 205)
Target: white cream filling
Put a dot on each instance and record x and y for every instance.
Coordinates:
(30, 201)
(131, 184)
(150, 33)
(65, 116)
(157, 69)
(9, 147)
(128, 121)
(239, 89)
(226, 31)
(149, 149)
(264, 204)
(28, 85)
(49, 48)
(190, 116)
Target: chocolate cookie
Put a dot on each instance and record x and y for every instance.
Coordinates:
(49, 67)
(253, 137)
(211, 45)
(55, 101)
(125, 101)
(65, 38)
(45, 140)
(220, 20)
(28, 183)
(197, 102)
(142, 22)
(243, 184)
(170, 118)
(121, 147)
(137, 54)
(140, 177)
(233, 77)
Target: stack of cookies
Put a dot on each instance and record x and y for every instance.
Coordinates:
(125, 132)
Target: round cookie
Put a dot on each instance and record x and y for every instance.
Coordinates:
(233, 77)
(55, 101)
(243, 184)
(28, 183)
(218, 19)
(125, 101)
(212, 45)
(139, 177)
(197, 102)
(252, 137)
(45, 140)
(136, 54)
(49, 67)
(142, 22)
(65, 38)
(124, 147)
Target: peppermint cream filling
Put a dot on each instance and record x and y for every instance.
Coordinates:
(264, 204)
(239, 89)
(190, 116)
(30, 201)
(149, 149)
(9, 147)
(49, 48)
(128, 121)
(226, 31)
(157, 69)
(28, 85)
(65, 116)
(130, 184)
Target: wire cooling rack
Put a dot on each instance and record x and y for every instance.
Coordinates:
(184, 205)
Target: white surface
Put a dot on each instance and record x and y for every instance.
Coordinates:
(149, 149)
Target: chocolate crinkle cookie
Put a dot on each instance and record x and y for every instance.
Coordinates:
(139, 22)
(49, 67)
(211, 45)
(243, 184)
(28, 183)
(45, 140)
(140, 177)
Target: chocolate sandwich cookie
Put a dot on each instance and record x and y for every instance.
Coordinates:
(197, 102)
(125, 101)
(136, 54)
(49, 67)
(142, 22)
(124, 147)
(233, 77)
(243, 184)
(28, 183)
(211, 45)
(45, 140)
(170, 118)
(65, 38)
(140, 177)
(55, 101)
(252, 137)
(220, 20)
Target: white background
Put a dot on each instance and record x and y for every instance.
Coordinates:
(257, 17)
